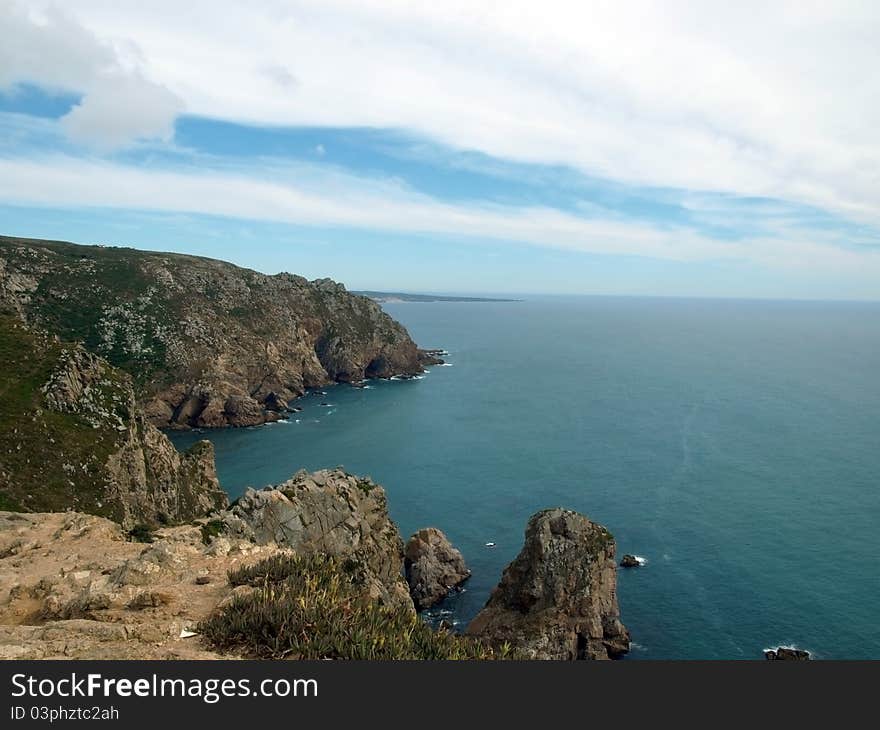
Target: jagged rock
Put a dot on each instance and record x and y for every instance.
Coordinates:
(210, 344)
(629, 561)
(433, 567)
(785, 653)
(558, 598)
(330, 512)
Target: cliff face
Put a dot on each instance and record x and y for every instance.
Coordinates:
(558, 598)
(73, 437)
(208, 343)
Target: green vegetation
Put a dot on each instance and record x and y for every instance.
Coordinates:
(141, 533)
(306, 607)
(212, 529)
(49, 461)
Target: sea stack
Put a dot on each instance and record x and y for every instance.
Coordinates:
(433, 567)
(558, 598)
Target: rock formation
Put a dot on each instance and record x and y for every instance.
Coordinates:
(787, 653)
(208, 343)
(558, 598)
(329, 512)
(73, 437)
(433, 567)
(72, 585)
(629, 561)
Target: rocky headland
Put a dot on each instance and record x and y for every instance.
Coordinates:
(208, 344)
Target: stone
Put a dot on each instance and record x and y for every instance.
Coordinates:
(629, 561)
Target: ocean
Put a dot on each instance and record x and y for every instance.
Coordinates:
(734, 445)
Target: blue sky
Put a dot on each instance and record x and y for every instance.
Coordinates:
(392, 148)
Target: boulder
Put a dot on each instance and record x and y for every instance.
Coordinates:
(558, 598)
(629, 561)
(433, 567)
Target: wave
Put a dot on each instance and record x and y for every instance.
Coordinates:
(640, 560)
(446, 364)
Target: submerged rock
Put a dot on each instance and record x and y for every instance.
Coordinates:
(786, 653)
(558, 598)
(433, 567)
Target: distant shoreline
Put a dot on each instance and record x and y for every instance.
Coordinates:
(390, 297)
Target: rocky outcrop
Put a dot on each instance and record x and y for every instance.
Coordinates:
(558, 598)
(433, 567)
(77, 586)
(629, 561)
(333, 513)
(208, 343)
(78, 440)
(787, 653)
(73, 587)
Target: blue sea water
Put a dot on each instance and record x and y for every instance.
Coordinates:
(735, 445)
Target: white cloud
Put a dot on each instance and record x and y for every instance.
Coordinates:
(117, 110)
(313, 196)
(118, 105)
(752, 98)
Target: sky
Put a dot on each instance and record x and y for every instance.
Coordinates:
(583, 147)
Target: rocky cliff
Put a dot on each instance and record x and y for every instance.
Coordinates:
(73, 437)
(310, 568)
(207, 343)
(558, 598)
(332, 513)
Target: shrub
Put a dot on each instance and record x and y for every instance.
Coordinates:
(212, 529)
(306, 607)
(141, 533)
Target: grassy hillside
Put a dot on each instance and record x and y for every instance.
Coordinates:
(48, 460)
